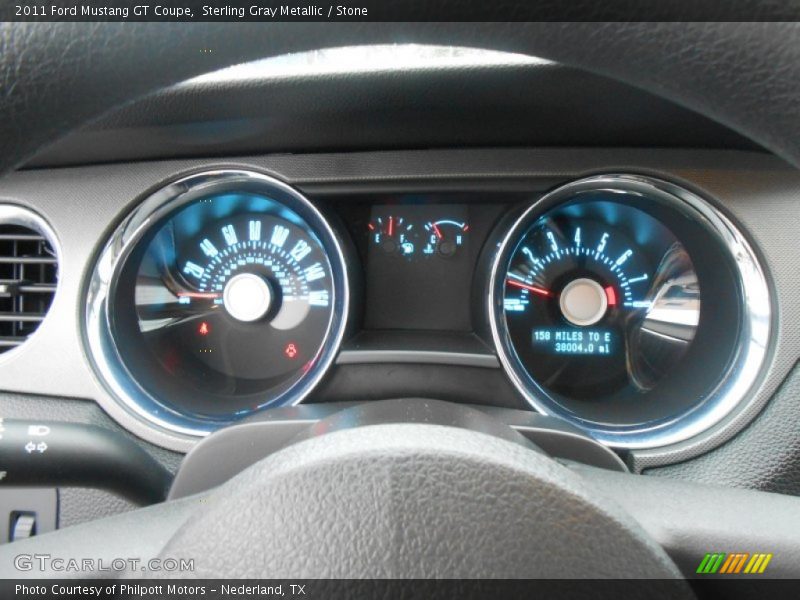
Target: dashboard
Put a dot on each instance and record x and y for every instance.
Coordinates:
(630, 294)
(292, 277)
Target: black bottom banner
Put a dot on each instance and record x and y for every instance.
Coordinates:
(387, 589)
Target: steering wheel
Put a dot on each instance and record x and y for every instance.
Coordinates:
(422, 499)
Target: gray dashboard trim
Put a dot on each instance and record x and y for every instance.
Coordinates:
(482, 361)
(759, 192)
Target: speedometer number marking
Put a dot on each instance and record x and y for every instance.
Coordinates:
(229, 233)
(300, 251)
(314, 272)
(279, 235)
(319, 298)
(192, 269)
(255, 231)
(208, 248)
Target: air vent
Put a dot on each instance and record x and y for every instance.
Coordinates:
(28, 275)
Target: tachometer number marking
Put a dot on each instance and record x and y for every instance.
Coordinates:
(602, 245)
(552, 239)
(527, 252)
(625, 256)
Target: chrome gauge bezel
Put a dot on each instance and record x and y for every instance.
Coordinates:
(103, 352)
(734, 385)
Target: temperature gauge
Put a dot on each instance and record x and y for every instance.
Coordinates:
(392, 235)
(445, 236)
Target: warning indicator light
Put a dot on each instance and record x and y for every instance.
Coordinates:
(290, 351)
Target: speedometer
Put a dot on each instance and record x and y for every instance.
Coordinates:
(630, 307)
(250, 300)
(227, 293)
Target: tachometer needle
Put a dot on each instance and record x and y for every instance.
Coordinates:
(436, 231)
(531, 288)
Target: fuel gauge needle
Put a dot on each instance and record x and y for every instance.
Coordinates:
(531, 288)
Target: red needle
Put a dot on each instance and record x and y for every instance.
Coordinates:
(198, 295)
(525, 286)
(436, 230)
(391, 226)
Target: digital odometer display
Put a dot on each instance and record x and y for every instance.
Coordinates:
(570, 341)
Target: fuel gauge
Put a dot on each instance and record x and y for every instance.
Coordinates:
(392, 235)
(445, 237)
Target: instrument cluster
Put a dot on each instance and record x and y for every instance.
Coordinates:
(628, 306)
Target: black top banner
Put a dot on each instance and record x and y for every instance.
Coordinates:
(398, 10)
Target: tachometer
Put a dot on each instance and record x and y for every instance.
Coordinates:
(591, 309)
(630, 307)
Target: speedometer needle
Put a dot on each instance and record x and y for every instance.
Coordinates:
(531, 288)
(210, 295)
